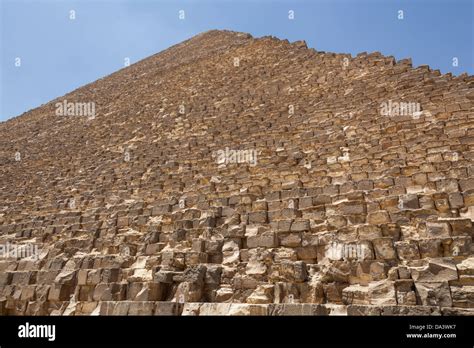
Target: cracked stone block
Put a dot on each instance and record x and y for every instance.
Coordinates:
(262, 294)
(224, 294)
(435, 270)
(382, 293)
(434, 294)
(231, 253)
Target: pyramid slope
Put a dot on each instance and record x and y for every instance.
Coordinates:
(333, 202)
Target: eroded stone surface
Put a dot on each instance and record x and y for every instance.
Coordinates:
(330, 208)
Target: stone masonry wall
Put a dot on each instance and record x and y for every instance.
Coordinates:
(232, 175)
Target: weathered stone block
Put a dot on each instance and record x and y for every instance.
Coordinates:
(435, 271)
(434, 293)
(463, 296)
(292, 240)
(384, 249)
(266, 240)
(300, 226)
(369, 232)
(259, 217)
(378, 218)
(438, 229)
(407, 250)
(297, 309)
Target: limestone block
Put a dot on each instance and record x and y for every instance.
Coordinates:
(297, 309)
(435, 271)
(466, 267)
(382, 293)
(384, 249)
(407, 250)
(255, 267)
(168, 308)
(231, 253)
(292, 240)
(262, 294)
(224, 294)
(438, 229)
(463, 296)
(248, 309)
(378, 217)
(434, 293)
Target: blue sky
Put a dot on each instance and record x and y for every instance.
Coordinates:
(59, 55)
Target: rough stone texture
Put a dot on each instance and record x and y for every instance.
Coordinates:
(345, 210)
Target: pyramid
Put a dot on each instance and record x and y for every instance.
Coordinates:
(234, 175)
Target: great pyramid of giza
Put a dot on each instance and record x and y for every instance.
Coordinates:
(237, 175)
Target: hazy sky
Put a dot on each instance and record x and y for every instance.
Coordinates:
(59, 54)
